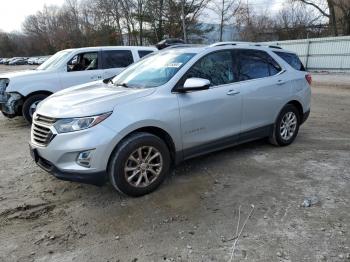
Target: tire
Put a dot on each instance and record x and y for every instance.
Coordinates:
(7, 115)
(29, 106)
(289, 114)
(125, 163)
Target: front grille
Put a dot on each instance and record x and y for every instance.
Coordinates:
(41, 130)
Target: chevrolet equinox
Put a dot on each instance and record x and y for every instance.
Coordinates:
(170, 106)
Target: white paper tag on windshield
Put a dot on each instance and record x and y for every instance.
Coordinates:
(175, 65)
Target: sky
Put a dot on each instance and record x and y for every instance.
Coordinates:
(13, 12)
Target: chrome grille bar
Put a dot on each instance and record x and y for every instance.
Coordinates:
(41, 130)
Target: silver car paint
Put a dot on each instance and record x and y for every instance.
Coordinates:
(190, 119)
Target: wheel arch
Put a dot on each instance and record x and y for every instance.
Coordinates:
(39, 92)
(295, 103)
(154, 130)
(299, 106)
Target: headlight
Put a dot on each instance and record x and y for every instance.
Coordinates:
(75, 124)
(4, 82)
(15, 95)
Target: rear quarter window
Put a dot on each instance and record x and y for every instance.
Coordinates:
(253, 64)
(143, 53)
(292, 59)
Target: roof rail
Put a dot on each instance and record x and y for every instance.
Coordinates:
(274, 46)
(182, 46)
(245, 43)
(230, 43)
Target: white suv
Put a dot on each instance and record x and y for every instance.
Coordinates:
(170, 106)
(20, 92)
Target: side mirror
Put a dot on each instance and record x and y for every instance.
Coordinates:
(108, 80)
(195, 84)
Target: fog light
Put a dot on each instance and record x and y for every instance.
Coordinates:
(84, 158)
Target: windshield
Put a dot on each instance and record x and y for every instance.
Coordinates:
(154, 70)
(54, 60)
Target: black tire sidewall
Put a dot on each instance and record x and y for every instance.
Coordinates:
(285, 110)
(28, 102)
(120, 156)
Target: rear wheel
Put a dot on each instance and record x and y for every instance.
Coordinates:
(286, 127)
(139, 164)
(29, 106)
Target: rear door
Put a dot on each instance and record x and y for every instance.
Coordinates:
(210, 119)
(264, 88)
(115, 61)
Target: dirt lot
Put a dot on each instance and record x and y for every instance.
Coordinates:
(193, 216)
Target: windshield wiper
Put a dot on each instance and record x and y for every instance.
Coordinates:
(123, 85)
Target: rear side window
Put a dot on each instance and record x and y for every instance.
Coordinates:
(216, 67)
(253, 64)
(292, 59)
(116, 58)
(143, 53)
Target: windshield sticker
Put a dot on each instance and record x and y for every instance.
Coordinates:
(175, 65)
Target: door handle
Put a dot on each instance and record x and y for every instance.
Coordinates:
(96, 77)
(281, 82)
(232, 92)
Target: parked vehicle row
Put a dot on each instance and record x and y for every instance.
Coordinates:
(24, 60)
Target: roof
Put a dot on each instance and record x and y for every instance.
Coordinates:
(93, 48)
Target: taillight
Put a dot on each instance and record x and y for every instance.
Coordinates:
(308, 79)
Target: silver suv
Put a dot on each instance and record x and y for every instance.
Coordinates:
(170, 106)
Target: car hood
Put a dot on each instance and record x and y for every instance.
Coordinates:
(88, 100)
(19, 74)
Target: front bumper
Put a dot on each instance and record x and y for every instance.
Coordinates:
(60, 156)
(10, 104)
(94, 178)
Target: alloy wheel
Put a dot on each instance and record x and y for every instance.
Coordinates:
(32, 108)
(143, 166)
(288, 125)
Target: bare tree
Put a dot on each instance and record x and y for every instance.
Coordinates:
(190, 11)
(327, 10)
(225, 10)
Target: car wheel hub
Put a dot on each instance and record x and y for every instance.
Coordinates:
(143, 166)
(33, 108)
(288, 125)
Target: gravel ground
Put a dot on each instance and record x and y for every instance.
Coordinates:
(193, 216)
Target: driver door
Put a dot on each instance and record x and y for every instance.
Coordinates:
(211, 119)
(81, 69)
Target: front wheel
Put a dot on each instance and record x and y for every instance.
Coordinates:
(286, 127)
(139, 164)
(29, 106)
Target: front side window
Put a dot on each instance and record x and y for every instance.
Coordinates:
(253, 64)
(216, 67)
(153, 71)
(83, 61)
(116, 58)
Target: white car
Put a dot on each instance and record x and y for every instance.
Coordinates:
(20, 92)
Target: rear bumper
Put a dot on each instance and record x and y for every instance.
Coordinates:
(94, 178)
(305, 116)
